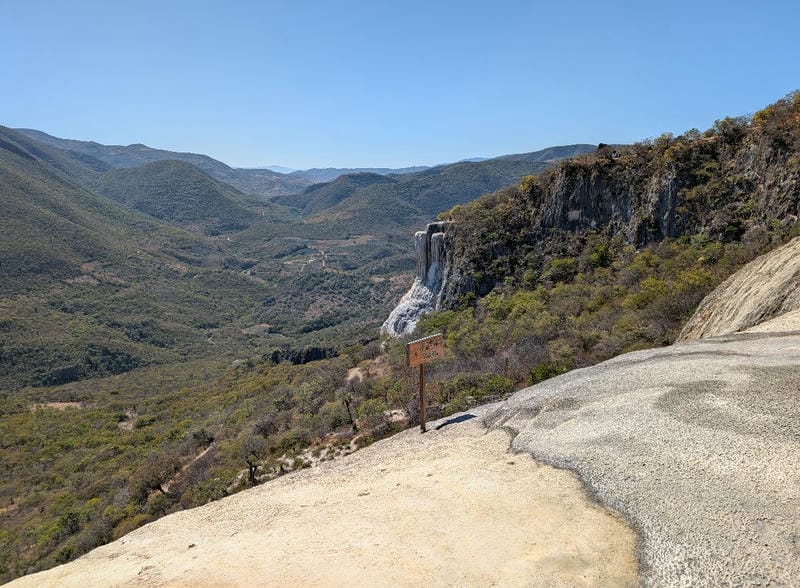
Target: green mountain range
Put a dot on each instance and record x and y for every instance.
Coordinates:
(95, 239)
(51, 225)
(258, 182)
(181, 194)
(92, 287)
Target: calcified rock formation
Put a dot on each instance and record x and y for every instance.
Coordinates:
(433, 259)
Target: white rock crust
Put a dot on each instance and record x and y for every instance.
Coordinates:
(425, 293)
(697, 445)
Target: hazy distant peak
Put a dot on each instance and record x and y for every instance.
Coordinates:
(328, 174)
(281, 169)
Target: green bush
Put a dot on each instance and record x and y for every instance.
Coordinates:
(560, 270)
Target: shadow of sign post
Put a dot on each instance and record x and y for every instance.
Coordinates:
(420, 352)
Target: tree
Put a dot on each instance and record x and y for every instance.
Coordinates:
(153, 476)
(266, 426)
(346, 394)
(252, 451)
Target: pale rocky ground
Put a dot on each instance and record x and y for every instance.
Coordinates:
(697, 445)
(765, 292)
(452, 507)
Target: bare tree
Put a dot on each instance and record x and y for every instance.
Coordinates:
(153, 475)
(346, 394)
(252, 451)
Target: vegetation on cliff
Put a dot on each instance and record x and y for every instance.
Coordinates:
(612, 251)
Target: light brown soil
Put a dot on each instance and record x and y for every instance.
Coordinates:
(60, 406)
(451, 507)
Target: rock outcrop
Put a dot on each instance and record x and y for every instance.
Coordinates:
(434, 258)
(766, 290)
(641, 206)
(696, 444)
(721, 185)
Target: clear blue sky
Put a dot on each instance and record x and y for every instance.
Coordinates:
(380, 83)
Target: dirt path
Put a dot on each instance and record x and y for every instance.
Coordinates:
(451, 507)
(186, 466)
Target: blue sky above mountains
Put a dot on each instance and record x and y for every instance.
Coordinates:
(379, 83)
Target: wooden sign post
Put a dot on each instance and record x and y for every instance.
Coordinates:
(420, 352)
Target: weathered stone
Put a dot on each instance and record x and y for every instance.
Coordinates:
(433, 257)
(763, 291)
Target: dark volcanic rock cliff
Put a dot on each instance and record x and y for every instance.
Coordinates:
(589, 197)
(739, 176)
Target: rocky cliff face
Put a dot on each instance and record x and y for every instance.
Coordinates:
(726, 184)
(646, 197)
(641, 208)
(434, 261)
(736, 177)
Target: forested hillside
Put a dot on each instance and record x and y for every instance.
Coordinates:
(92, 288)
(181, 194)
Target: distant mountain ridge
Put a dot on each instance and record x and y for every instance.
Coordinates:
(267, 183)
(413, 197)
(258, 182)
(127, 155)
(281, 169)
(331, 173)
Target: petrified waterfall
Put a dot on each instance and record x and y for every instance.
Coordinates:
(425, 294)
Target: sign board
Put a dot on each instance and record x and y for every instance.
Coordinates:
(425, 349)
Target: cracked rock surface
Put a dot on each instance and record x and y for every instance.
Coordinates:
(697, 445)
